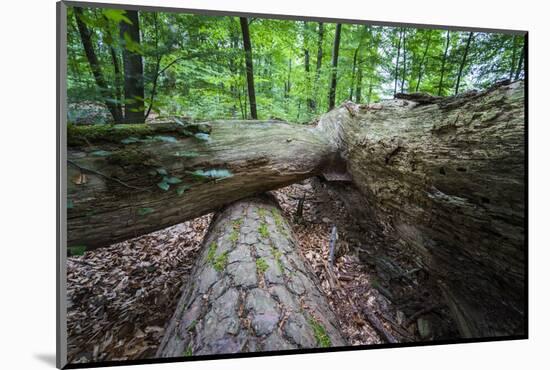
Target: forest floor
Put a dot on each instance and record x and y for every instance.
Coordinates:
(121, 297)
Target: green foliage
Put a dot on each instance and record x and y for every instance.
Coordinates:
(201, 73)
(163, 185)
(277, 254)
(220, 262)
(211, 252)
(261, 265)
(101, 153)
(212, 174)
(189, 351)
(320, 333)
(262, 230)
(183, 154)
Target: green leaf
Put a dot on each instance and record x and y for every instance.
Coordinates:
(130, 140)
(181, 189)
(101, 153)
(116, 15)
(166, 139)
(162, 171)
(145, 211)
(163, 185)
(202, 136)
(179, 121)
(70, 204)
(212, 174)
(77, 250)
(186, 154)
(171, 180)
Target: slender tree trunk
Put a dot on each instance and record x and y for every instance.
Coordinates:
(249, 68)
(404, 61)
(262, 273)
(421, 67)
(134, 105)
(396, 73)
(440, 89)
(319, 62)
(118, 79)
(520, 63)
(358, 84)
(353, 68)
(309, 100)
(157, 67)
(86, 38)
(463, 63)
(513, 61)
(334, 69)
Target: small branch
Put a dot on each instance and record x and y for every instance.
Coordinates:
(85, 169)
(377, 324)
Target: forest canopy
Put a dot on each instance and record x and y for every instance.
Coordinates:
(128, 66)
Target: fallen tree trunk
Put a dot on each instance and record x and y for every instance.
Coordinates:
(129, 180)
(445, 176)
(250, 290)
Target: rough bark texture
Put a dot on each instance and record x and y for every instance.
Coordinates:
(134, 107)
(251, 291)
(447, 179)
(112, 187)
(444, 176)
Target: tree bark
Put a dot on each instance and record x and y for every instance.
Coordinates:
(249, 67)
(334, 70)
(443, 175)
(134, 107)
(520, 63)
(463, 63)
(439, 90)
(404, 61)
(397, 62)
(353, 68)
(248, 290)
(86, 38)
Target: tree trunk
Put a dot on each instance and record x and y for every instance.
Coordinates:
(134, 107)
(248, 290)
(334, 70)
(443, 64)
(397, 62)
(404, 61)
(443, 175)
(86, 38)
(309, 100)
(249, 67)
(463, 63)
(358, 84)
(520, 63)
(353, 68)
(421, 67)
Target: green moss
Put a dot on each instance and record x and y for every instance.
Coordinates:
(277, 255)
(261, 265)
(261, 212)
(234, 236)
(211, 252)
(132, 157)
(188, 352)
(78, 135)
(320, 334)
(262, 229)
(278, 221)
(220, 262)
(192, 326)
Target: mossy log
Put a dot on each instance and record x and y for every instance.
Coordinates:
(445, 177)
(250, 290)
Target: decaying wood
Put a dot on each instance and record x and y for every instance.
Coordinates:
(250, 290)
(377, 324)
(446, 179)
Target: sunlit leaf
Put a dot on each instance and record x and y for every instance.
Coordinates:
(130, 140)
(162, 171)
(101, 153)
(171, 180)
(163, 185)
(213, 173)
(186, 154)
(202, 136)
(116, 15)
(166, 139)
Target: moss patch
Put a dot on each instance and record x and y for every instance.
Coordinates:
(262, 229)
(277, 255)
(320, 334)
(188, 352)
(211, 252)
(261, 265)
(78, 135)
(278, 221)
(220, 262)
(132, 157)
